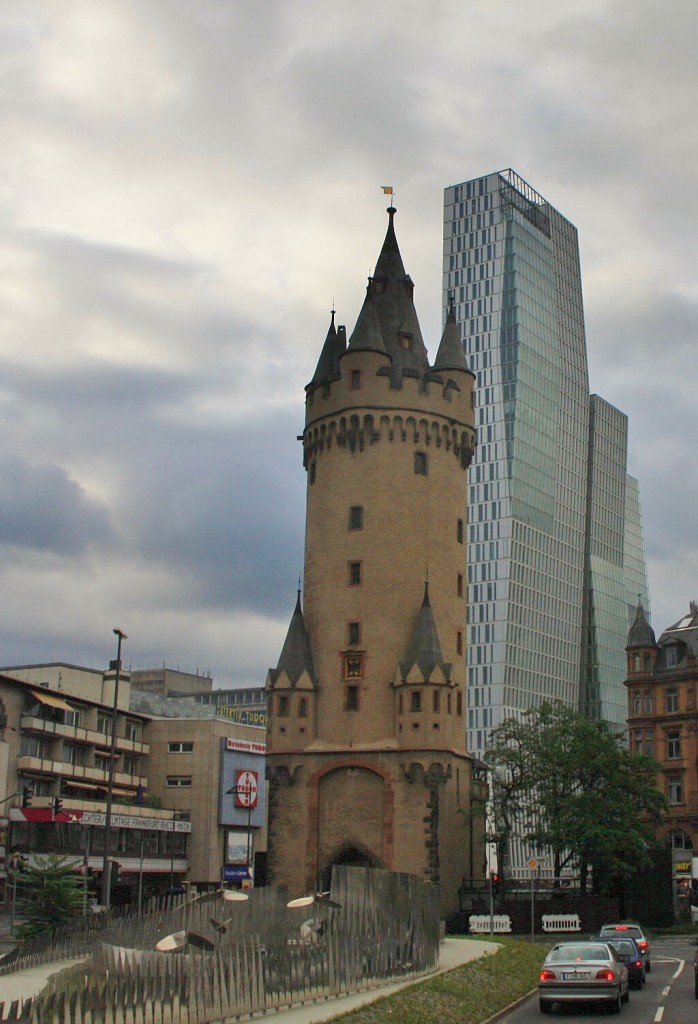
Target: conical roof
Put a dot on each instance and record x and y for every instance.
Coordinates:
(390, 291)
(328, 363)
(424, 649)
(451, 355)
(641, 633)
(367, 336)
(296, 656)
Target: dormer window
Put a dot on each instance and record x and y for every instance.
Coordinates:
(672, 656)
(405, 341)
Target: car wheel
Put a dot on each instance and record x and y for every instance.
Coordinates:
(545, 1006)
(648, 968)
(616, 1004)
(695, 987)
(626, 997)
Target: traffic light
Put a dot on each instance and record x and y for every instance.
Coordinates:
(57, 805)
(27, 794)
(495, 881)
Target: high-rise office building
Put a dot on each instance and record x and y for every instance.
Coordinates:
(555, 551)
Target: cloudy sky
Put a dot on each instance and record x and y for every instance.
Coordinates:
(186, 188)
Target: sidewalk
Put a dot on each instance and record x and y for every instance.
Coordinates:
(453, 953)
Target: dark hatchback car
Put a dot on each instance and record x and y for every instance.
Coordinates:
(629, 928)
(630, 954)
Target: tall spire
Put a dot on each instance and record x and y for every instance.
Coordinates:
(451, 355)
(641, 633)
(328, 363)
(296, 656)
(424, 650)
(390, 289)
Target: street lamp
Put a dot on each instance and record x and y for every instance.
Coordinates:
(106, 864)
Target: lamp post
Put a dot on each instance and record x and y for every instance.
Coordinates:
(106, 865)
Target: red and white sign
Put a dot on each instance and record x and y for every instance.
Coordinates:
(246, 746)
(246, 789)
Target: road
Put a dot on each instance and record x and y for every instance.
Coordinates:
(667, 997)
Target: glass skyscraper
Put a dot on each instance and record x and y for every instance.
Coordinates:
(555, 551)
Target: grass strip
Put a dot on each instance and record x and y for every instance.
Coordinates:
(467, 995)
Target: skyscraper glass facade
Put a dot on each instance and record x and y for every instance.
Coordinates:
(552, 522)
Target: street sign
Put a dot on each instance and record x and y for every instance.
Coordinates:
(533, 863)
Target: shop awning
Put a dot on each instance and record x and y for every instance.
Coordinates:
(81, 785)
(51, 701)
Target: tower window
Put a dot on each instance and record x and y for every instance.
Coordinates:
(459, 703)
(355, 381)
(353, 666)
(354, 574)
(420, 463)
(406, 341)
(283, 705)
(356, 517)
(303, 707)
(459, 531)
(354, 633)
(459, 584)
(351, 699)
(459, 642)
(437, 701)
(311, 473)
(416, 700)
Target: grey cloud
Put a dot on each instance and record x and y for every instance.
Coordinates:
(42, 508)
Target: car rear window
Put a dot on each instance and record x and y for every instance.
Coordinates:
(624, 946)
(572, 952)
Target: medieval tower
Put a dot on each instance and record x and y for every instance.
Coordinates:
(366, 760)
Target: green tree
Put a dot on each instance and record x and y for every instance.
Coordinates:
(49, 895)
(590, 802)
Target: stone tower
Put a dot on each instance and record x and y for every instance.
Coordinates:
(366, 743)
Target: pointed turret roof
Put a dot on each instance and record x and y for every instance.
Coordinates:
(641, 633)
(424, 650)
(367, 336)
(451, 355)
(390, 291)
(328, 363)
(296, 656)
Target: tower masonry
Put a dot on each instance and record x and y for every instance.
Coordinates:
(366, 744)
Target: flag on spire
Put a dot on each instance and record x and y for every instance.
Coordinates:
(387, 190)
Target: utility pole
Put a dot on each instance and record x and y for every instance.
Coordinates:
(106, 865)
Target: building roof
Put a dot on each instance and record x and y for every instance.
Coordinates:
(641, 633)
(451, 355)
(424, 649)
(328, 364)
(296, 656)
(390, 292)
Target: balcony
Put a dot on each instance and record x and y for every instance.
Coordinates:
(28, 765)
(78, 734)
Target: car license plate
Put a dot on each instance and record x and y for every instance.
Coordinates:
(576, 975)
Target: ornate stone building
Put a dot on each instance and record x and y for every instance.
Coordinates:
(662, 684)
(367, 760)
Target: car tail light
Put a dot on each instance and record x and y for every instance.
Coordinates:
(621, 928)
(643, 943)
(546, 975)
(605, 975)
(636, 963)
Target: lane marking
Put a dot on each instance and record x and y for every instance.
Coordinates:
(659, 1014)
